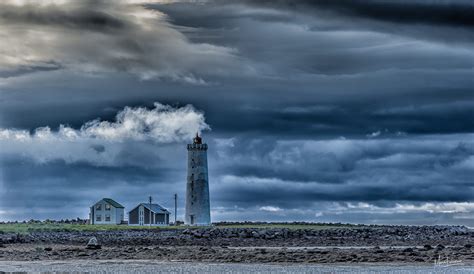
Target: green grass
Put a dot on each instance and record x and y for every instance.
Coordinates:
(288, 226)
(24, 228)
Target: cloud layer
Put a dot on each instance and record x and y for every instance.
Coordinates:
(351, 111)
(101, 142)
(103, 36)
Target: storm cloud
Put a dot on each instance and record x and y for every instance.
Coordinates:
(459, 13)
(336, 111)
(103, 36)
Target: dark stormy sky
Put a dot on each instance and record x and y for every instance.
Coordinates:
(356, 111)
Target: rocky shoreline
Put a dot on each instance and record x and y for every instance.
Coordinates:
(397, 244)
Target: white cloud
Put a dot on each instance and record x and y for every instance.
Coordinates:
(162, 124)
(374, 134)
(101, 142)
(429, 207)
(270, 208)
(450, 207)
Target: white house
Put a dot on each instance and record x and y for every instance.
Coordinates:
(143, 213)
(106, 212)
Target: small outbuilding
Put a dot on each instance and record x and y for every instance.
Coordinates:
(144, 214)
(106, 212)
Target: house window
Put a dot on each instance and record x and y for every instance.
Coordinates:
(107, 207)
(107, 217)
(98, 218)
(98, 207)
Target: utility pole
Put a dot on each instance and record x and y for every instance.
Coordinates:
(175, 207)
(150, 199)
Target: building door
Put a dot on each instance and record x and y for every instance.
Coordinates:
(192, 219)
(140, 216)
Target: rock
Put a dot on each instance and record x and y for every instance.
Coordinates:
(428, 247)
(48, 249)
(93, 244)
(468, 246)
(440, 246)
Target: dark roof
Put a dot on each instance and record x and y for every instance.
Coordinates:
(113, 203)
(156, 208)
(197, 139)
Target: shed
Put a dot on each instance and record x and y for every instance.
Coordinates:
(145, 213)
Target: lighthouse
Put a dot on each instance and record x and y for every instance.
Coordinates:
(198, 211)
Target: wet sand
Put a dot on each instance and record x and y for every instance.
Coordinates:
(148, 266)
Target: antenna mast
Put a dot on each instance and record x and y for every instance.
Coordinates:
(175, 207)
(150, 200)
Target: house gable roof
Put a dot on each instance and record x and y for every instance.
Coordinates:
(155, 208)
(112, 203)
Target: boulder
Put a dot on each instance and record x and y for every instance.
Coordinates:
(93, 244)
(408, 250)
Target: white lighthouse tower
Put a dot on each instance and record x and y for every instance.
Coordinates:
(198, 211)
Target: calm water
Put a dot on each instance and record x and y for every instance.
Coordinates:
(180, 267)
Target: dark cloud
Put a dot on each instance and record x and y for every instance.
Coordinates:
(247, 173)
(30, 69)
(457, 13)
(125, 37)
(98, 148)
(320, 110)
(81, 18)
(406, 169)
(44, 190)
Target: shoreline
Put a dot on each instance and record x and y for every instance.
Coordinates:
(153, 266)
(403, 244)
(367, 264)
(266, 255)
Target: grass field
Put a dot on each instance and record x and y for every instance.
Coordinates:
(24, 228)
